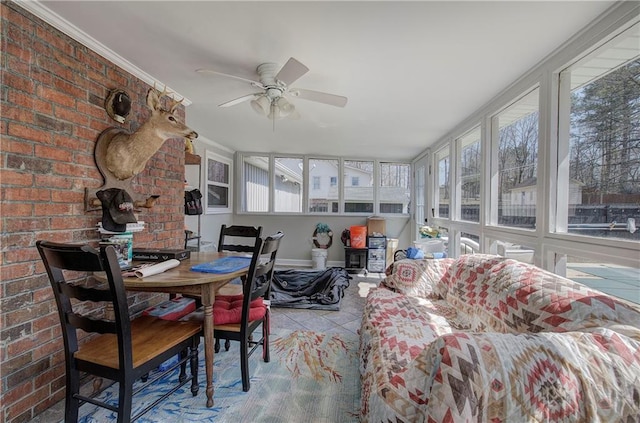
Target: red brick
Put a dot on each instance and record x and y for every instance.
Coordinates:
(15, 178)
(19, 209)
(18, 392)
(25, 194)
(37, 105)
(26, 224)
(18, 82)
(52, 209)
(17, 113)
(22, 131)
(69, 168)
(56, 96)
(52, 38)
(69, 89)
(65, 196)
(15, 271)
(68, 222)
(26, 314)
(53, 181)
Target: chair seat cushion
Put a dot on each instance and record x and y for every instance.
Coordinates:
(227, 309)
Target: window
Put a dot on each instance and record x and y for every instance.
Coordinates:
(323, 200)
(255, 172)
(443, 189)
(517, 162)
(512, 250)
(600, 192)
(610, 278)
(358, 198)
(395, 189)
(219, 171)
(282, 184)
(470, 163)
(288, 184)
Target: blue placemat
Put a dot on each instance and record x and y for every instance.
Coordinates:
(223, 265)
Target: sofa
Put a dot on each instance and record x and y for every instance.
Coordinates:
(484, 338)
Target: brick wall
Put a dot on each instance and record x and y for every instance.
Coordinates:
(52, 110)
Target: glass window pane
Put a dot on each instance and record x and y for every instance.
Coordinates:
(395, 188)
(288, 184)
(604, 147)
(358, 187)
(512, 250)
(469, 243)
(517, 162)
(470, 168)
(619, 281)
(443, 196)
(218, 184)
(323, 190)
(255, 171)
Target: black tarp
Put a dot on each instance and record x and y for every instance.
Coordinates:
(318, 290)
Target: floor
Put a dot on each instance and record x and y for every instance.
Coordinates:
(347, 319)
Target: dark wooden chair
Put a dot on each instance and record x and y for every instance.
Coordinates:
(240, 239)
(118, 349)
(253, 305)
(237, 239)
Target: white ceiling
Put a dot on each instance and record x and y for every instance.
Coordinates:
(411, 70)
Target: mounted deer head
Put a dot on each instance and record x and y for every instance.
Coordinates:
(126, 154)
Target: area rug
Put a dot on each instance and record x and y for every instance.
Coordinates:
(309, 289)
(312, 377)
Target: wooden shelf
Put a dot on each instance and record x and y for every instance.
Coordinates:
(192, 159)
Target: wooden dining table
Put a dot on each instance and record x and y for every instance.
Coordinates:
(182, 280)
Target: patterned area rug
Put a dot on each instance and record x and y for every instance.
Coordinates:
(312, 377)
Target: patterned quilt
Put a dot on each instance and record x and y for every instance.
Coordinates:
(483, 338)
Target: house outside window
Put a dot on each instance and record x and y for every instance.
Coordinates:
(358, 198)
(322, 199)
(394, 188)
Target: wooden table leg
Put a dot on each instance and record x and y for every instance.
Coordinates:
(208, 297)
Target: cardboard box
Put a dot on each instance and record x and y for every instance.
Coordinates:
(376, 226)
(150, 254)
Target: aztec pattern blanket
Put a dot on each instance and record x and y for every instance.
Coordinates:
(492, 339)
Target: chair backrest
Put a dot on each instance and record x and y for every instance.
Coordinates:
(258, 282)
(62, 262)
(237, 238)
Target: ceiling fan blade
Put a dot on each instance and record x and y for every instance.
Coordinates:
(320, 97)
(239, 100)
(250, 81)
(291, 71)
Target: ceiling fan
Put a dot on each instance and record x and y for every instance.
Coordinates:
(273, 101)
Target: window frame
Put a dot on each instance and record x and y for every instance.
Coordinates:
(306, 189)
(229, 186)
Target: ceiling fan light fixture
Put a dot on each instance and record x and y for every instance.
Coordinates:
(284, 107)
(261, 105)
